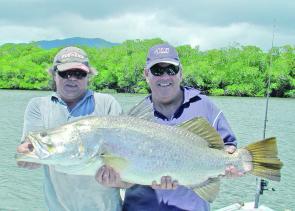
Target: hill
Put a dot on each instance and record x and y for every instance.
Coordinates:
(90, 42)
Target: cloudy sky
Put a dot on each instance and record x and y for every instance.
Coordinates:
(207, 24)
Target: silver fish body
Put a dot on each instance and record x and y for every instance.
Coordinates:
(140, 150)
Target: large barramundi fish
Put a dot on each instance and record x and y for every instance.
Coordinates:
(142, 151)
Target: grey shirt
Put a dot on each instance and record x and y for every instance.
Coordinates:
(71, 192)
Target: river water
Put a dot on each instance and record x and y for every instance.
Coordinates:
(21, 189)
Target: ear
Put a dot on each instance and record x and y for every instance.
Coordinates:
(54, 75)
(146, 74)
(180, 73)
(50, 71)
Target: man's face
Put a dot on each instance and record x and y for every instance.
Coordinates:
(164, 87)
(71, 85)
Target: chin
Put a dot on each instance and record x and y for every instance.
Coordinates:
(165, 99)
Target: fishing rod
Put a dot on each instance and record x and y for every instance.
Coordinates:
(261, 183)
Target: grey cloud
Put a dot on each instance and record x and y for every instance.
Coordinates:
(178, 21)
(33, 11)
(209, 12)
(218, 13)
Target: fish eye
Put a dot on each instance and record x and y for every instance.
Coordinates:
(43, 134)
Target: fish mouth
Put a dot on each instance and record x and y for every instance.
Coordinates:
(32, 154)
(28, 157)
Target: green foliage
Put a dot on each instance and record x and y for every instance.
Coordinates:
(23, 66)
(235, 70)
(216, 92)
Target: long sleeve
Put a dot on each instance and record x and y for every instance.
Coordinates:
(32, 118)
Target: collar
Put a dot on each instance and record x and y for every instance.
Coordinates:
(191, 95)
(56, 98)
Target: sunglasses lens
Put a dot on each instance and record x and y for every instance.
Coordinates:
(80, 74)
(68, 74)
(172, 70)
(158, 70)
(62, 74)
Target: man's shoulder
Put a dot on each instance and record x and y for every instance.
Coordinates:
(106, 104)
(191, 92)
(193, 95)
(103, 96)
(37, 105)
(41, 99)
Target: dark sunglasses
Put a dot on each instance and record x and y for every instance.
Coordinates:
(158, 70)
(72, 73)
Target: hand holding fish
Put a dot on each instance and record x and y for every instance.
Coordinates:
(166, 183)
(232, 171)
(230, 149)
(26, 147)
(107, 176)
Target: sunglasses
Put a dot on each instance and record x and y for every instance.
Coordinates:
(158, 70)
(72, 73)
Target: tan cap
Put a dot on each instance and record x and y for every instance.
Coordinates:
(71, 58)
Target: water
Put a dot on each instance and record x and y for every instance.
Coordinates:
(21, 189)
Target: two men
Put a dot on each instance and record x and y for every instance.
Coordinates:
(172, 105)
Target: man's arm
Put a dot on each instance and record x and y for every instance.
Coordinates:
(32, 122)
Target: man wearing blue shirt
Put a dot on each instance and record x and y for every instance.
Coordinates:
(174, 104)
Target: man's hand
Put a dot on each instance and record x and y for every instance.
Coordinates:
(230, 149)
(232, 171)
(107, 176)
(166, 183)
(26, 147)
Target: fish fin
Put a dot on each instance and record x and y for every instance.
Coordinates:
(209, 189)
(265, 161)
(116, 162)
(202, 128)
(143, 110)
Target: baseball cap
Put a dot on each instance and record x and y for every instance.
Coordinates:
(71, 58)
(162, 53)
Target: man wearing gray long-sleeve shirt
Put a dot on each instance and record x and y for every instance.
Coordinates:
(72, 99)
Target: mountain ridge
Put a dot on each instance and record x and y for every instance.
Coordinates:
(80, 41)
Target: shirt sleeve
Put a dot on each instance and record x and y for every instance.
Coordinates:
(106, 104)
(224, 130)
(219, 122)
(114, 107)
(32, 118)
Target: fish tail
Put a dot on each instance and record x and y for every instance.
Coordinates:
(264, 159)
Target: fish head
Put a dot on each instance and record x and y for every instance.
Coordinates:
(52, 147)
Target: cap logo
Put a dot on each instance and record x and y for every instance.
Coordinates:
(72, 54)
(161, 51)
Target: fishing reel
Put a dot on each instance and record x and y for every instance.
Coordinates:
(263, 186)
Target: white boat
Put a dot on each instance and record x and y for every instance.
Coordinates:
(248, 206)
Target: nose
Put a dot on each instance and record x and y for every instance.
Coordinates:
(72, 78)
(164, 76)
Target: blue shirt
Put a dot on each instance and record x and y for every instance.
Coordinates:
(145, 198)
